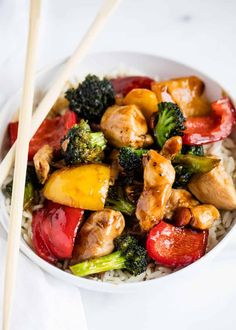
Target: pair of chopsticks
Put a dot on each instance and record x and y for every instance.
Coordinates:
(27, 129)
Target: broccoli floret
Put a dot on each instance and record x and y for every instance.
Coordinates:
(187, 165)
(129, 255)
(196, 164)
(133, 191)
(116, 200)
(170, 122)
(130, 160)
(91, 98)
(31, 183)
(193, 150)
(182, 176)
(81, 145)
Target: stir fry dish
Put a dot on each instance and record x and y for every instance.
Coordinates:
(119, 178)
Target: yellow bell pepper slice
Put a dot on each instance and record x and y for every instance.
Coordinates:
(84, 187)
(145, 99)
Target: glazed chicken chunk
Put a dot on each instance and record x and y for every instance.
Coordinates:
(179, 198)
(42, 160)
(215, 187)
(187, 92)
(125, 126)
(96, 236)
(203, 216)
(184, 209)
(159, 176)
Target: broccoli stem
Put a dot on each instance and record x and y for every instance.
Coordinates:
(97, 139)
(102, 264)
(120, 205)
(196, 164)
(28, 195)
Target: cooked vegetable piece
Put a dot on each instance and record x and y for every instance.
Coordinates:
(145, 99)
(96, 237)
(81, 145)
(124, 85)
(50, 132)
(91, 98)
(54, 230)
(116, 200)
(203, 216)
(159, 176)
(39, 244)
(30, 183)
(214, 127)
(187, 92)
(42, 160)
(215, 187)
(133, 191)
(85, 186)
(130, 160)
(196, 164)
(192, 150)
(28, 195)
(174, 247)
(125, 126)
(170, 122)
(182, 176)
(129, 255)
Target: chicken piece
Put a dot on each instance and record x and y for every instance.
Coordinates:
(159, 176)
(179, 198)
(203, 216)
(187, 92)
(59, 107)
(96, 236)
(215, 187)
(184, 209)
(42, 160)
(172, 147)
(125, 126)
(162, 92)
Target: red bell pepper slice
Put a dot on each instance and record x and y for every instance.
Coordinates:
(51, 131)
(124, 85)
(54, 230)
(38, 242)
(175, 246)
(215, 127)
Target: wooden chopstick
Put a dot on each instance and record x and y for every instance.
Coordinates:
(25, 131)
(54, 91)
(21, 162)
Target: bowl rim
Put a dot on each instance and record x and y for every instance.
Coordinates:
(99, 285)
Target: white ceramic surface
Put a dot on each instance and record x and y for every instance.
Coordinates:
(102, 63)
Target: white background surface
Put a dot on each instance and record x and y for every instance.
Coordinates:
(200, 33)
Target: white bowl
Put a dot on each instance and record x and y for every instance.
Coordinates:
(104, 63)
